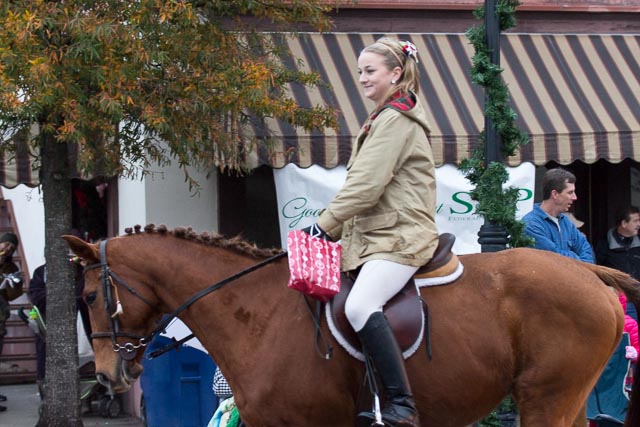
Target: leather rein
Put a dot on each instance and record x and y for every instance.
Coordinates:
(110, 282)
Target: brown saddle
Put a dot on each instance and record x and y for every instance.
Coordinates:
(403, 311)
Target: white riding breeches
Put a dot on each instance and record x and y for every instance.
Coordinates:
(378, 282)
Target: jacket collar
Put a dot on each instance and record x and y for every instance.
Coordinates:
(614, 242)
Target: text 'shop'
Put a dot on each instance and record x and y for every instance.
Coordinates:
(410, 50)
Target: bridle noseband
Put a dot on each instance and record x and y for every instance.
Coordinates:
(110, 281)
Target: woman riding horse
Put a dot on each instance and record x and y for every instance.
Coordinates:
(385, 212)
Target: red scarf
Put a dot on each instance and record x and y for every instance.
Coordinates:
(399, 101)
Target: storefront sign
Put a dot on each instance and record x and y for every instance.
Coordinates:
(303, 193)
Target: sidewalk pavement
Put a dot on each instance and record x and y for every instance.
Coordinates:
(22, 410)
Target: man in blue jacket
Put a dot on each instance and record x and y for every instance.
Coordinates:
(548, 223)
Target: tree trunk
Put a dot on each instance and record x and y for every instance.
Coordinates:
(62, 396)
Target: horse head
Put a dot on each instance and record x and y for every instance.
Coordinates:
(121, 327)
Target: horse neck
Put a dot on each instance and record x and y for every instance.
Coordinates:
(233, 321)
(244, 307)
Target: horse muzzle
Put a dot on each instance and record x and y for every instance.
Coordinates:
(124, 375)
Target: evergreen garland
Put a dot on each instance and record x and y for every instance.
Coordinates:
(495, 204)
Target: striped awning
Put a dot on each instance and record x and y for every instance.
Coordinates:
(17, 164)
(576, 96)
(20, 165)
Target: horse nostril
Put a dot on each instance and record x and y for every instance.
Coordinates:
(102, 379)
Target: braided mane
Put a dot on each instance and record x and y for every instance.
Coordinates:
(237, 243)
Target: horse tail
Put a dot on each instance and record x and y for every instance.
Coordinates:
(622, 282)
(618, 280)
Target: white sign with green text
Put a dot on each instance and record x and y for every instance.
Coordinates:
(303, 193)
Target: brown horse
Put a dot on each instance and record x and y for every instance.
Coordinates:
(524, 322)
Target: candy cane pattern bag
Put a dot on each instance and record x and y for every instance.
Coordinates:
(314, 264)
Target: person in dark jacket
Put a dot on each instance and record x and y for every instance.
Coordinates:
(620, 249)
(10, 288)
(38, 296)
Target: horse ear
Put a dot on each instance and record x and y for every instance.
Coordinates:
(86, 251)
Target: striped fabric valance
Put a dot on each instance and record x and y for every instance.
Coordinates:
(576, 96)
(16, 164)
(20, 166)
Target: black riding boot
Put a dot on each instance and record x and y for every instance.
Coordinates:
(380, 344)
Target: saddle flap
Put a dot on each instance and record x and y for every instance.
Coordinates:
(403, 312)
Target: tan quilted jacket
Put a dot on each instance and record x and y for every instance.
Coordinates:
(386, 208)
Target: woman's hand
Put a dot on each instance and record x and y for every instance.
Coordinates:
(316, 231)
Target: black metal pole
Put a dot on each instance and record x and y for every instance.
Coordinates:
(492, 237)
(492, 36)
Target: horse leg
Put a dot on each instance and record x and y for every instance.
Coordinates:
(554, 411)
(556, 399)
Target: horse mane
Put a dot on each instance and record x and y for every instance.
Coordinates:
(237, 243)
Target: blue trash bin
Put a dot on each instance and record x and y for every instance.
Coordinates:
(176, 386)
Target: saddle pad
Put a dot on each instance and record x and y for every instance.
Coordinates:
(441, 280)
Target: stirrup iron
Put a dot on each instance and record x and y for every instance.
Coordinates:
(377, 414)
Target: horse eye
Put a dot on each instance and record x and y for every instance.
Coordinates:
(90, 298)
